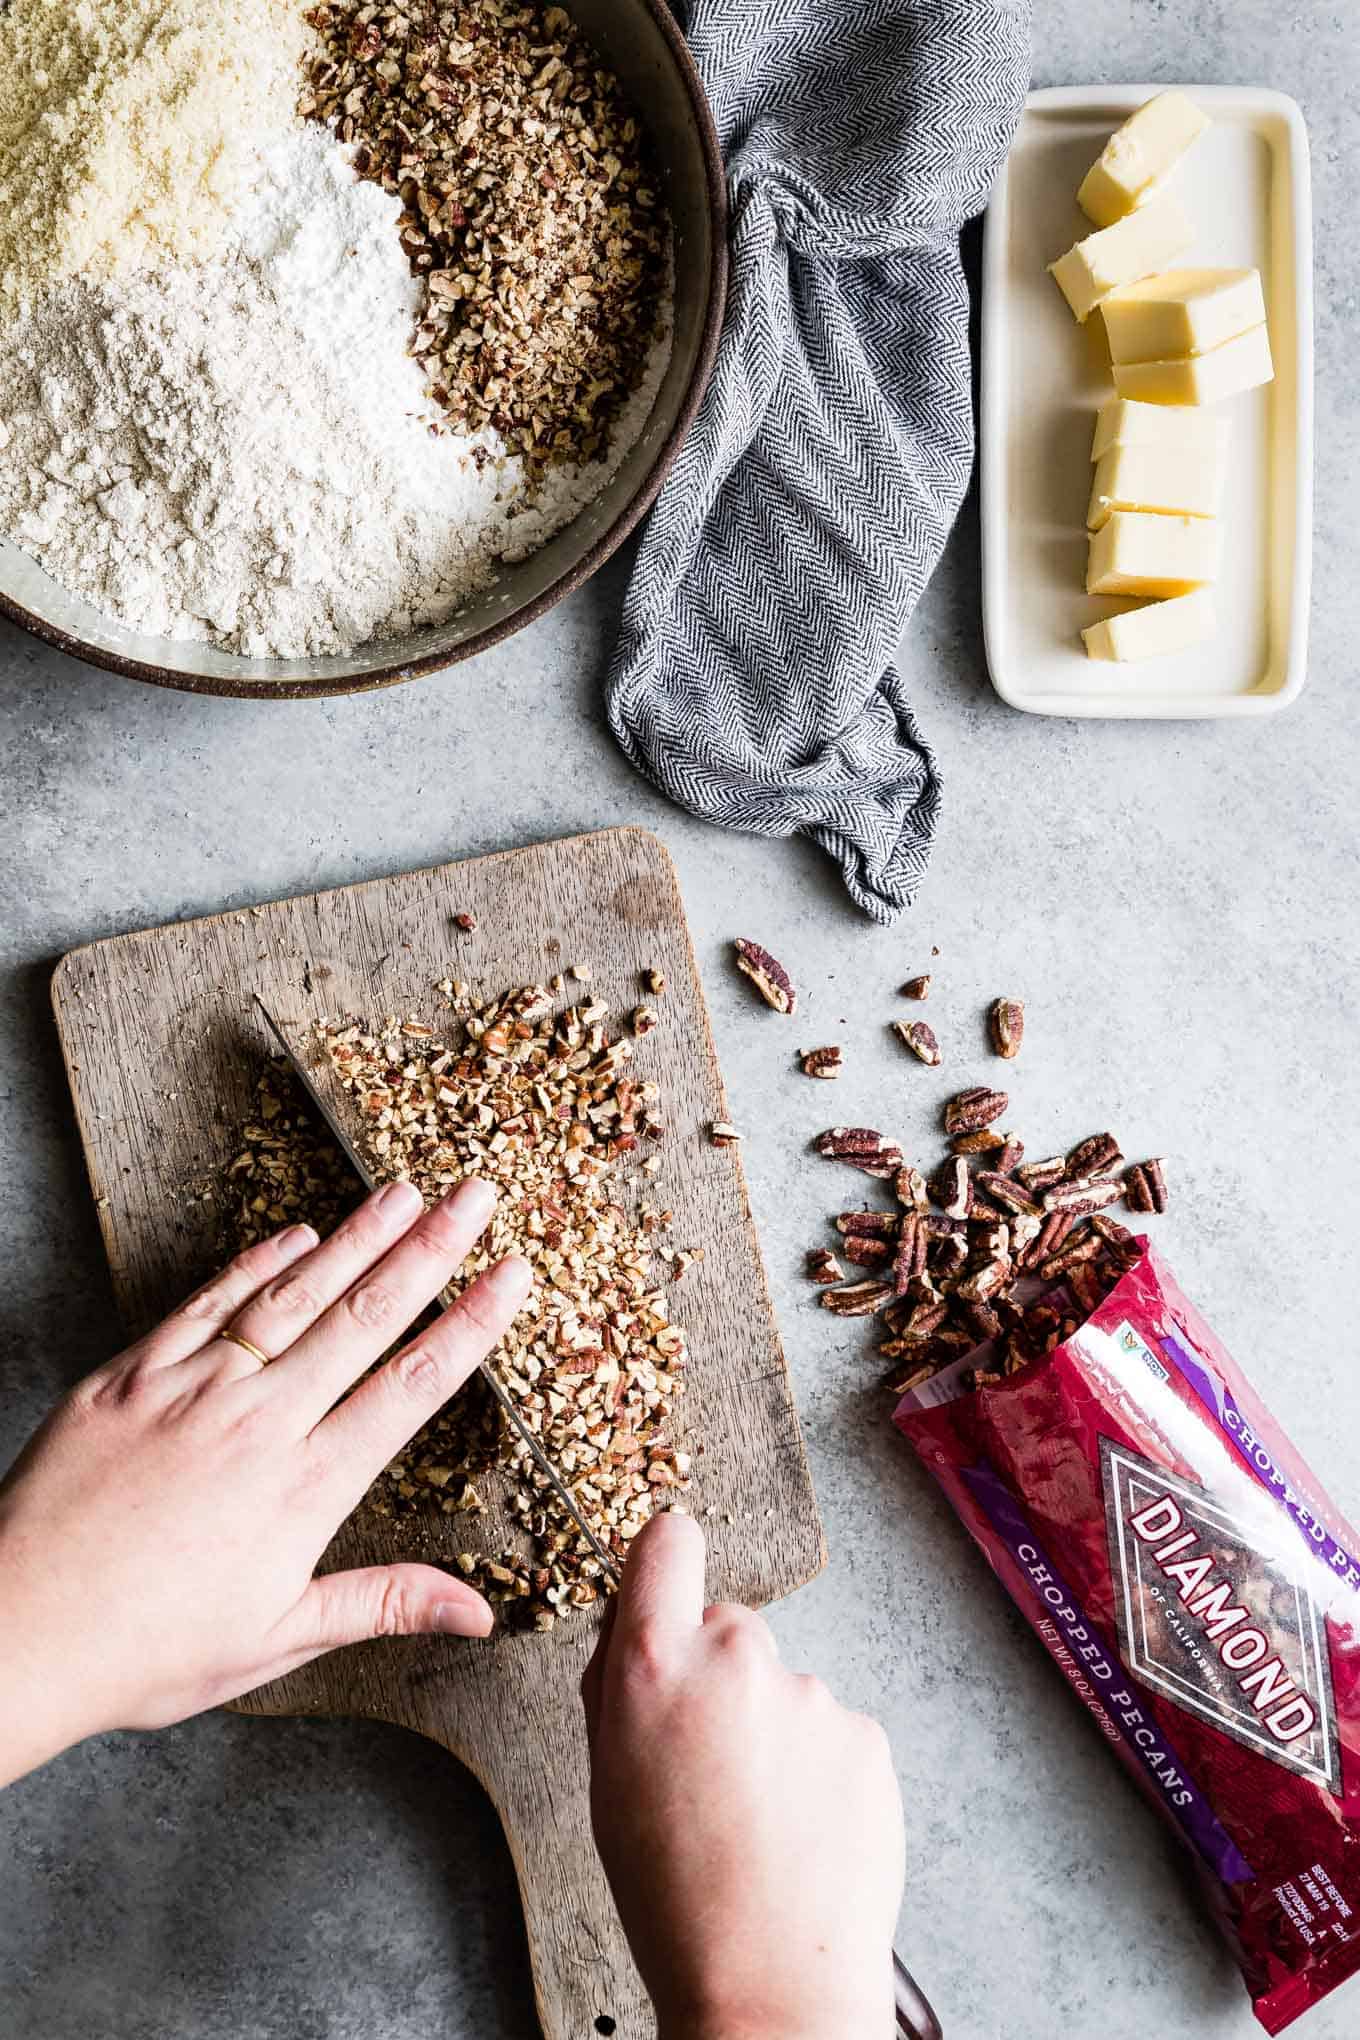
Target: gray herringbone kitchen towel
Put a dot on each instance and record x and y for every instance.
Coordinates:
(753, 679)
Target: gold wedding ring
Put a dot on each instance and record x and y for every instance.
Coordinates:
(246, 1347)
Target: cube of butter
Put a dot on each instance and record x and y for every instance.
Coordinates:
(1148, 240)
(1155, 630)
(1121, 422)
(1139, 552)
(1239, 364)
(1182, 311)
(1173, 479)
(1148, 145)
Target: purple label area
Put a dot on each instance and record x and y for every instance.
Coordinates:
(1222, 1406)
(1118, 1703)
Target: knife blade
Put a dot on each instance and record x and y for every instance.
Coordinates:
(446, 1296)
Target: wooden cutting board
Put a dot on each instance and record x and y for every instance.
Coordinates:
(163, 1052)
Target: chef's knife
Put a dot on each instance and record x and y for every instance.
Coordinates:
(915, 2019)
(446, 1297)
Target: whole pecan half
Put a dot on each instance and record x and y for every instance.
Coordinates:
(1089, 1194)
(767, 974)
(1098, 1155)
(1006, 1022)
(951, 1188)
(863, 1148)
(986, 1141)
(920, 1039)
(910, 1188)
(985, 1281)
(1050, 1236)
(822, 1062)
(1006, 1191)
(1012, 1154)
(910, 1260)
(877, 1225)
(969, 1111)
(866, 1250)
(1145, 1186)
(1042, 1175)
(857, 1299)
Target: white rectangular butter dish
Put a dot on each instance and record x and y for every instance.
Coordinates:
(1245, 183)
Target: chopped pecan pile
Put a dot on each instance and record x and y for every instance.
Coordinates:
(532, 210)
(544, 1107)
(986, 1255)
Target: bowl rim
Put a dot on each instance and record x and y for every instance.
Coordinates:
(391, 674)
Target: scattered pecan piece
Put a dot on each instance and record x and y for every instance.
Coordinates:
(1004, 1190)
(1007, 1024)
(950, 1255)
(985, 1281)
(1111, 1230)
(644, 1019)
(986, 1141)
(1042, 1175)
(985, 1321)
(1083, 1247)
(1145, 1186)
(951, 1188)
(863, 1148)
(1012, 1154)
(654, 981)
(1086, 1285)
(467, 922)
(992, 1242)
(910, 1381)
(857, 1299)
(920, 1039)
(1084, 1196)
(1050, 1236)
(767, 974)
(969, 1111)
(823, 1267)
(910, 1261)
(917, 987)
(910, 1188)
(722, 1134)
(1097, 1156)
(867, 1250)
(823, 1062)
(879, 1225)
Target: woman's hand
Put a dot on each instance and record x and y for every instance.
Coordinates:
(158, 1535)
(751, 1828)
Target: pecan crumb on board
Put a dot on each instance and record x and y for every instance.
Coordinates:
(545, 1108)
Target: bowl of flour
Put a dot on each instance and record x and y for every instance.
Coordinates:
(334, 364)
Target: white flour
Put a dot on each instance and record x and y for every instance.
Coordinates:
(242, 450)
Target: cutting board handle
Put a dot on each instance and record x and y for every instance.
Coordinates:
(538, 1779)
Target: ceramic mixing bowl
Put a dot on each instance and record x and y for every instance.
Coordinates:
(639, 41)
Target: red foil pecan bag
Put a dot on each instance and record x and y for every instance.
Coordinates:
(1201, 1596)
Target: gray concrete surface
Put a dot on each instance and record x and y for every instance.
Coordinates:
(1178, 906)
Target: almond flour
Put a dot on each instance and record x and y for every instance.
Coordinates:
(127, 128)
